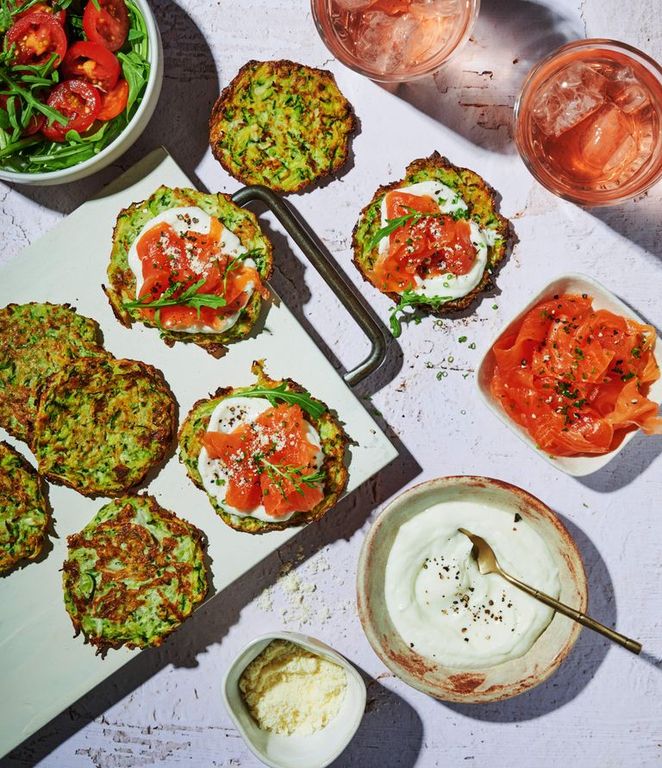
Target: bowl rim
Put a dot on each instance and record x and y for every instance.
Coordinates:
(467, 481)
(576, 466)
(155, 57)
(312, 644)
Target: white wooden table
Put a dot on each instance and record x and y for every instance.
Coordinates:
(604, 707)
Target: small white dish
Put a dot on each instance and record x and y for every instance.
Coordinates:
(315, 751)
(128, 136)
(577, 466)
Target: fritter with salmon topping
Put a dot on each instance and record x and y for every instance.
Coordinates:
(193, 265)
(133, 574)
(433, 240)
(269, 456)
(281, 124)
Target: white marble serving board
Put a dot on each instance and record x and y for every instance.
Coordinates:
(43, 668)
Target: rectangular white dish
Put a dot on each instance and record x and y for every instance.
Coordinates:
(603, 298)
(42, 666)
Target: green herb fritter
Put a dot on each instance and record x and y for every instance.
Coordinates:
(412, 250)
(24, 514)
(37, 340)
(133, 574)
(281, 124)
(103, 424)
(175, 284)
(332, 473)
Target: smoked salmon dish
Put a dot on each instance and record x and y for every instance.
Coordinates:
(576, 378)
(432, 241)
(269, 456)
(190, 264)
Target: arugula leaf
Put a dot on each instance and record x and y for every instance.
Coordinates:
(393, 224)
(281, 394)
(292, 474)
(411, 299)
(188, 298)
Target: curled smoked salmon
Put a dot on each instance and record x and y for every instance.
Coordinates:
(269, 461)
(423, 246)
(576, 378)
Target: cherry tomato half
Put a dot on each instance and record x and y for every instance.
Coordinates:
(114, 102)
(79, 102)
(92, 62)
(36, 121)
(107, 25)
(60, 16)
(36, 37)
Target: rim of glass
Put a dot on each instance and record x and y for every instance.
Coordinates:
(429, 67)
(591, 42)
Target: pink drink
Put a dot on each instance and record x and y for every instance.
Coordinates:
(589, 122)
(394, 40)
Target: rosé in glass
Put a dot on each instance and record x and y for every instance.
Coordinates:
(588, 122)
(394, 40)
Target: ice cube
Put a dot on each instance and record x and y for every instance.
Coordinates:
(607, 143)
(576, 92)
(433, 29)
(354, 5)
(381, 40)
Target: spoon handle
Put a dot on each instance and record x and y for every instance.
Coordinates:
(578, 616)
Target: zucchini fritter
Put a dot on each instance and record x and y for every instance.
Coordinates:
(37, 340)
(122, 281)
(481, 201)
(333, 444)
(24, 514)
(103, 424)
(133, 574)
(281, 124)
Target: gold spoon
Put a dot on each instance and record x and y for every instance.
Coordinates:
(484, 555)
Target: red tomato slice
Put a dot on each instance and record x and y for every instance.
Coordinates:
(36, 37)
(108, 25)
(78, 101)
(93, 62)
(114, 102)
(60, 16)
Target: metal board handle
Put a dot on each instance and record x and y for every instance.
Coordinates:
(330, 272)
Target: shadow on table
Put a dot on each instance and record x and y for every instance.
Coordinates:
(289, 283)
(211, 622)
(637, 220)
(576, 672)
(390, 734)
(474, 93)
(190, 86)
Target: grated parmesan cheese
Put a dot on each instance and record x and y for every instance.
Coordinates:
(290, 690)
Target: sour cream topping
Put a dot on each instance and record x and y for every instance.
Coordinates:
(228, 415)
(192, 219)
(449, 201)
(442, 606)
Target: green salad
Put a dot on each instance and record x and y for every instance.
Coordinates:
(72, 76)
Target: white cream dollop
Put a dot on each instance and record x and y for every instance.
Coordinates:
(191, 219)
(449, 201)
(228, 415)
(442, 606)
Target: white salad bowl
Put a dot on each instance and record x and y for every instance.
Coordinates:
(602, 299)
(278, 751)
(471, 685)
(128, 136)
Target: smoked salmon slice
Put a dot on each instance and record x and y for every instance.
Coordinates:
(269, 461)
(575, 378)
